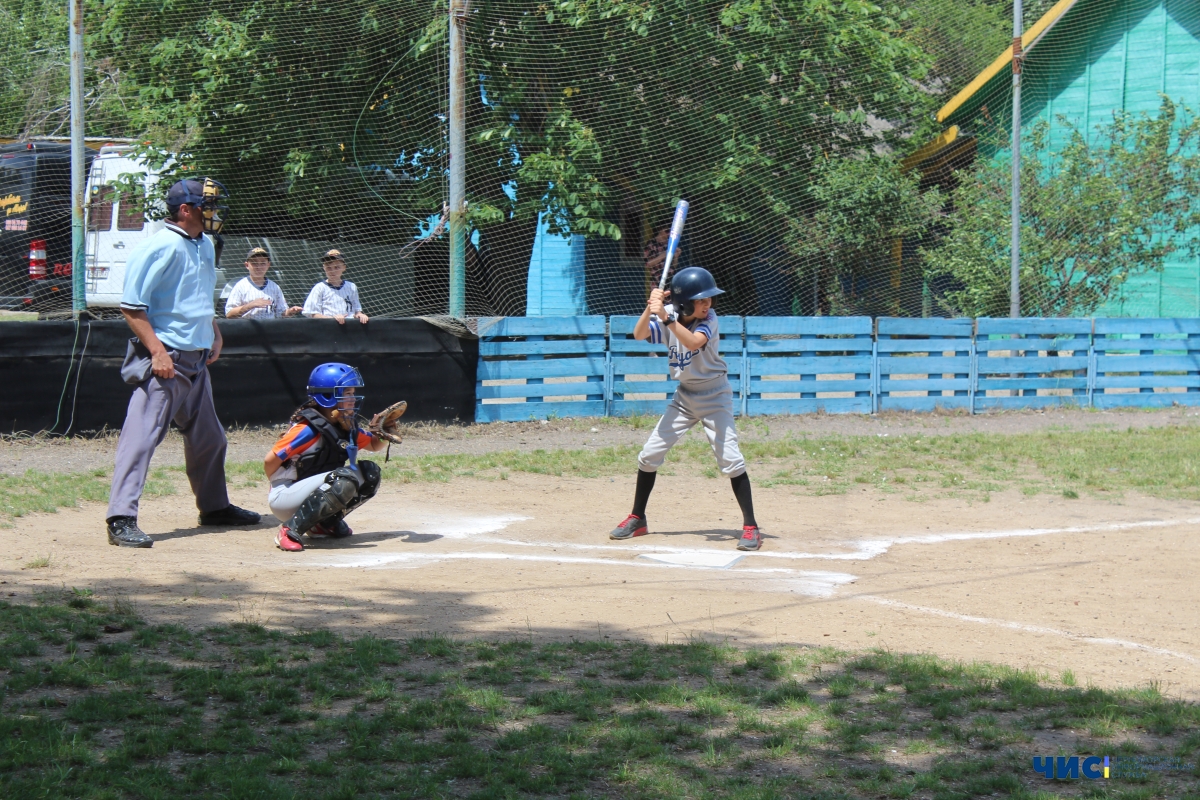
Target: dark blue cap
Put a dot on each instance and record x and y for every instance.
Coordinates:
(189, 191)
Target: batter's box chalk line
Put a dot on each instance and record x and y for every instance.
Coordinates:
(815, 583)
(1037, 629)
(858, 549)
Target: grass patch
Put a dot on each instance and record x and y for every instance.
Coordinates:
(96, 703)
(46, 492)
(1159, 462)
(39, 562)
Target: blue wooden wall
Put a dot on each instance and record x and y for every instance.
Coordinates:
(543, 367)
(557, 283)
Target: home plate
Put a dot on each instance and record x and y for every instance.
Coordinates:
(695, 559)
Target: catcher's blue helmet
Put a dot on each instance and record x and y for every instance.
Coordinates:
(692, 283)
(328, 382)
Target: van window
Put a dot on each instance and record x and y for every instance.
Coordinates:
(100, 209)
(129, 213)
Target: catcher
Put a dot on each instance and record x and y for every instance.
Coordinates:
(313, 487)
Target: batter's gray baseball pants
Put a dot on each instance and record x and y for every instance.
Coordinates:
(714, 410)
(186, 399)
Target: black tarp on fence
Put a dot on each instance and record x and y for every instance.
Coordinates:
(259, 379)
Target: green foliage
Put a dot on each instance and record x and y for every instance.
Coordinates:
(864, 206)
(963, 37)
(295, 103)
(1095, 211)
(33, 61)
(266, 96)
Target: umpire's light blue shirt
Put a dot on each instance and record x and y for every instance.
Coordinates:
(171, 277)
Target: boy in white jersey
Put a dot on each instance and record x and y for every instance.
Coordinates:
(704, 395)
(256, 296)
(334, 298)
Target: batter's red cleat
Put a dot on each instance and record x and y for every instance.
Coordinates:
(284, 540)
(632, 526)
(751, 538)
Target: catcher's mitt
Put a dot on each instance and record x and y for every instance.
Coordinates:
(385, 424)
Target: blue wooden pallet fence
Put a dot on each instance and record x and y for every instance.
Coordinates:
(639, 377)
(799, 365)
(518, 355)
(924, 364)
(540, 367)
(1146, 362)
(1043, 361)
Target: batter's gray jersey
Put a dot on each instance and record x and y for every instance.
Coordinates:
(694, 369)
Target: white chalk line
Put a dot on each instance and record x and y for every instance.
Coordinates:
(865, 549)
(447, 526)
(818, 583)
(1020, 626)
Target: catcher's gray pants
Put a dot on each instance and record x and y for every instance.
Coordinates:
(285, 498)
(186, 399)
(714, 410)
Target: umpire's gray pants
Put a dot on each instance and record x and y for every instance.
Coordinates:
(186, 399)
(714, 410)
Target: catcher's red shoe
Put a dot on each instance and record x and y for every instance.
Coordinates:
(284, 540)
(337, 530)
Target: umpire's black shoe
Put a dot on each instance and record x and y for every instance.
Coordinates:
(124, 532)
(229, 515)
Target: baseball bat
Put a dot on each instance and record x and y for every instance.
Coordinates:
(673, 240)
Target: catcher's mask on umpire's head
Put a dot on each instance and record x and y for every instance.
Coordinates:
(328, 384)
(692, 283)
(206, 195)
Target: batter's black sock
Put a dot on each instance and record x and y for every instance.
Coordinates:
(645, 483)
(741, 490)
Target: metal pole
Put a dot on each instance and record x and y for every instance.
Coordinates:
(458, 150)
(78, 250)
(1014, 310)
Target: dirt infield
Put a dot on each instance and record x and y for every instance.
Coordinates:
(1106, 590)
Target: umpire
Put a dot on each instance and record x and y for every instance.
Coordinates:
(168, 303)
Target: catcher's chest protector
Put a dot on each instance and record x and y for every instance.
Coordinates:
(329, 453)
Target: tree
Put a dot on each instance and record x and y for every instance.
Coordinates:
(327, 119)
(866, 207)
(34, 74)
(1095, 212)
(594, 106)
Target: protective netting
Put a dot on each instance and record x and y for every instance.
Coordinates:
(839, 157)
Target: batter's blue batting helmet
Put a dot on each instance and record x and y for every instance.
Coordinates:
(692, 283)
(328, 383)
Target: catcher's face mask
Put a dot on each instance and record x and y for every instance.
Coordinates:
(349, 401)
(211, 207)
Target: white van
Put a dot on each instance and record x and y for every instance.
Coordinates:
(114, 227)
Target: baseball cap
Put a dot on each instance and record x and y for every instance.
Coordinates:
(258, 252)
(186, 191)
(333, 255)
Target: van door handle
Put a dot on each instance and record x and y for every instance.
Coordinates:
(118, 245)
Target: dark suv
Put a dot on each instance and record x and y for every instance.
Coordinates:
(35, 225)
